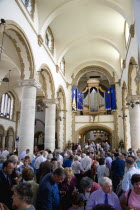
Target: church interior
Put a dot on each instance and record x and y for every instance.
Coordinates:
(69, 72)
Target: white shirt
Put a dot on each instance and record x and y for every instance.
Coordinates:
(38, 161)
(76, 167)
(102, 171)
(126, 183)
(86, 163)
(23, 155)
(60, 157)
(5, 153)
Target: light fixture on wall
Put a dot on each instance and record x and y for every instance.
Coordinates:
(123, 117)
(60, 118)
(132, 103)
(7, 79)
(2, 27)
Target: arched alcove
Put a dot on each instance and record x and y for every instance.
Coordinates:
(2, 132)
(9, 139)
(88, 128)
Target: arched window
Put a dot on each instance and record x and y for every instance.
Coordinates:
(30, 5)
(6, 106)
(49, 40)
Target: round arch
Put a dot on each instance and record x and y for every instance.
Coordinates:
(2, 134)
(71, 4)
(47, 81)
(88, 38)
(87, 128)
(18, 33)
(93, 68)
(9, 139)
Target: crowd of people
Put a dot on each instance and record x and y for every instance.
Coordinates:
(92, 177)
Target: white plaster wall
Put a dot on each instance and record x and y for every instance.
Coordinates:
(7, 124)
(69, 115)
(10, 11)
(100, 120)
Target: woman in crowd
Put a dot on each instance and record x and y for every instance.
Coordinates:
(22, 197)
(67, 188)
(28, 176)
(87, 186)
(131, 198)
(76, 167)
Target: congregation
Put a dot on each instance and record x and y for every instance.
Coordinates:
(92, 177)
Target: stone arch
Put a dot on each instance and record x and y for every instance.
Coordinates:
(82, 130)
(47, 81)
(61, 118)
(20, 41)
(2, 134)
(39, 140)
(93, 68)
(9, 139)
(132, 72)
(80, 39)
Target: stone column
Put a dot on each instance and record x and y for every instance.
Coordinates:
(136, 7)
(134, 112)
(50, 123)
(3, 142)
(27, 114)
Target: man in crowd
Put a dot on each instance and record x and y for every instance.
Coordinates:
(126, 183)
(24, 154)
(48, 196)
(6, 183)
(117, 170)
(103, 196)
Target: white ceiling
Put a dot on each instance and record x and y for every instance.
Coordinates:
(86, 31)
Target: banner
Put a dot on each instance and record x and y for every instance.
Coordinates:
(79, 100)
(108, 99)
(113, 97)
(74, 98)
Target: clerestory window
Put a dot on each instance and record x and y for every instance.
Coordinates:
(30, 5)
(49, 40)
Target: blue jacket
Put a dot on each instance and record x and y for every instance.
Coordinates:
(118, 166)
(67, 163)
(48, 195)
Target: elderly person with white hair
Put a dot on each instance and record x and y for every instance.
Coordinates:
(104, 195)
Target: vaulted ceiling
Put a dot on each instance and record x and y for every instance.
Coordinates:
(87, 32)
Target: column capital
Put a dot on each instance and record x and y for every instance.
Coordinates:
(133, 98)
(51, 101)
(29, 82)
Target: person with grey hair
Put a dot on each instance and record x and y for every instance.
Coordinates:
(87, 186)
(126, 182)
(2, 159)
(22, 197)
(49, 195)
(104, 195)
